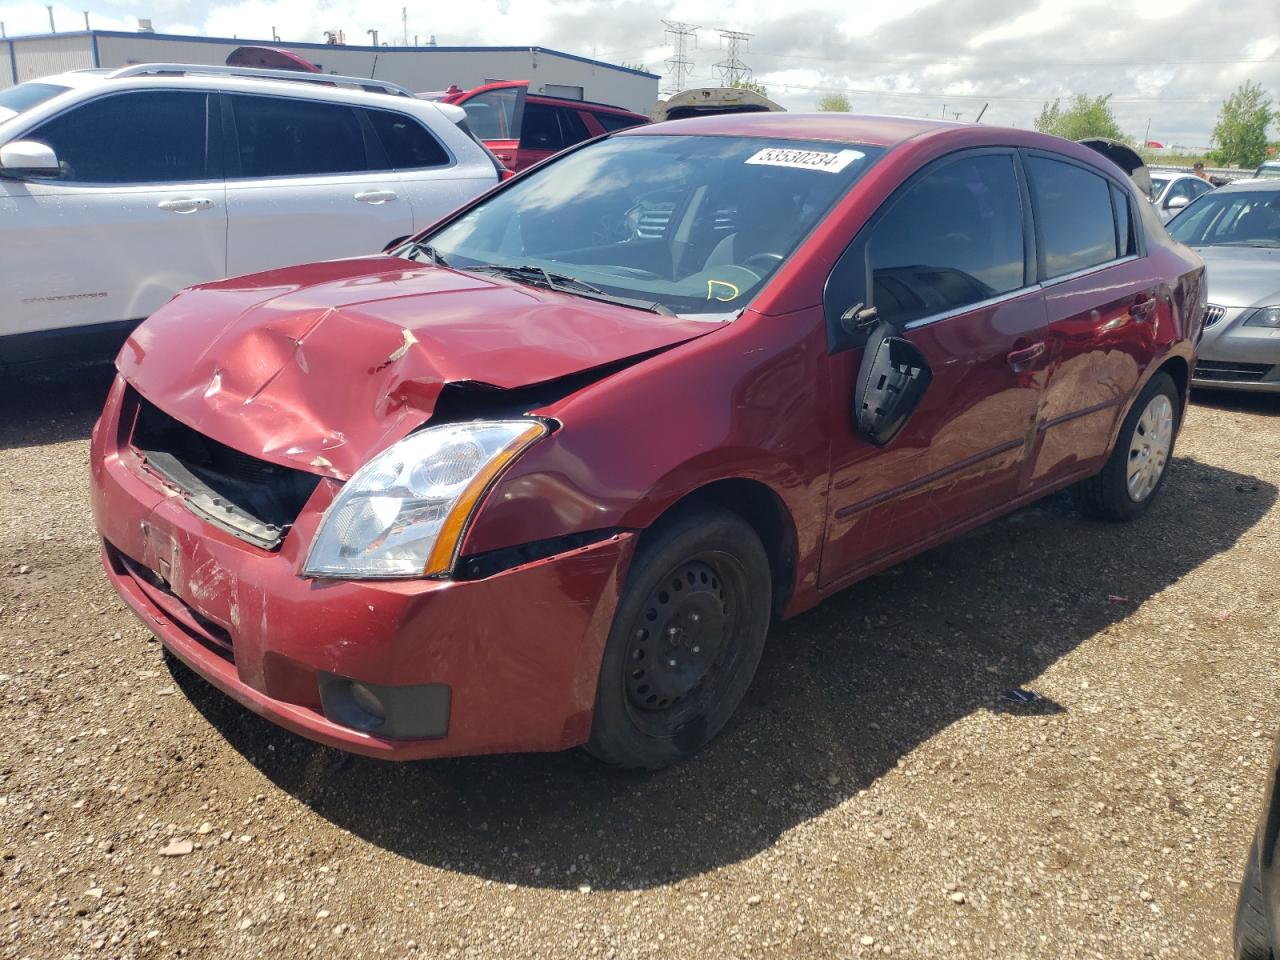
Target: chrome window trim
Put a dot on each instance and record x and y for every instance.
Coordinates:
(970, 307)
(1076, 274)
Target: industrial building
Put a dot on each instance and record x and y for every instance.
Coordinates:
(418, 68)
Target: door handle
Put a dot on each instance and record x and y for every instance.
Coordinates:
(1023, 356)
(185, 204)
(375, 196)
(1144, 309)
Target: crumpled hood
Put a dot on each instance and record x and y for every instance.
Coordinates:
(1242, 276)
(320, 367)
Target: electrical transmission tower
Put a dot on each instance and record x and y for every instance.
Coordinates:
(732, 70)
(684, 37)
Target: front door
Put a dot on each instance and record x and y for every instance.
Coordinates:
(136, 213)
(300, 185)
(495, 114)
(946, 261)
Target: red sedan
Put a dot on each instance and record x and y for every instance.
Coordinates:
(544, 475)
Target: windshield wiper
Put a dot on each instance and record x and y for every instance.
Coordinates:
(534, 274)
(540, 276)
(432, 254)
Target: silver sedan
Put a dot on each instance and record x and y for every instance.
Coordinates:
(1236, 229)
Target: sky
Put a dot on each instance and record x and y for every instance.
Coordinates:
(1167, 63)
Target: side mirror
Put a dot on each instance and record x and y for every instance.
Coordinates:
(892, 378)
(1177, 203)
(28, 157)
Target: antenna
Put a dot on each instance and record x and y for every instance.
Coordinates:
(679, 63)
(732, 70)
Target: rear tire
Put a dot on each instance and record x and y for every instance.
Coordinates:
(685, 642)
(1137, 467)
(1252, 935)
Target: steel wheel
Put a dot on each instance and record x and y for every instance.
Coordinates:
(1149, 448)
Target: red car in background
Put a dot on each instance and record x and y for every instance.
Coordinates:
(543, 476)
(523, 128)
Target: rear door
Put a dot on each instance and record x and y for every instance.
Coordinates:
(947, 263)
(1102, 299)
(137, 213)
(495, 114)
(302, 184)
(433, 179)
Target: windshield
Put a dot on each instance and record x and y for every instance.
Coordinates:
(1157, 186)
(1230, 219)
(694, 224)
(1268, 171)
(25, 96)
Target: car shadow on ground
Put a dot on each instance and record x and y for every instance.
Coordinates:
(51, 402)
(843, 692)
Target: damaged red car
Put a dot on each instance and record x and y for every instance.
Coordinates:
(543, 475)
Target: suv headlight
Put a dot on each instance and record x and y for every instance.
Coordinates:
(404, 512)
(1263, 317)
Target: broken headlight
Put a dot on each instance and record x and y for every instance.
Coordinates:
(404, 512)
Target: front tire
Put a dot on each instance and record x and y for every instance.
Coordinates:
(1136, 469)
(1252, 935)
(685, 642)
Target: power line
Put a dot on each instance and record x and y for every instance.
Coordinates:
(732, 70)
(679, 63)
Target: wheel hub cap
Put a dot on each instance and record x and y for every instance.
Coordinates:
(678, 639)
(1149, 447)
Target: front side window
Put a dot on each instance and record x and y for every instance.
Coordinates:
(695, 224)
(541, 129)
(152, 136)
(1243, 218)
(1073, 208)
(494, 115)
(282, 137)
(953, 238)
(407, 143)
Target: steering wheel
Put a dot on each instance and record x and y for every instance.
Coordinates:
(767, 261)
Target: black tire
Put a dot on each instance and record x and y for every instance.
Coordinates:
(1107, 493)
(661, 695)
(1252, 935)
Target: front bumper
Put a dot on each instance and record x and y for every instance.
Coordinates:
(1233, 356)
(518, 652)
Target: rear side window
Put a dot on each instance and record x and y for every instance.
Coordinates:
(281, 137)
(952, 239)
(408, 144)
(152, 136)
(1126, 237)
(541, 128)
(573, 127)
(612, 121)
(1073, 207)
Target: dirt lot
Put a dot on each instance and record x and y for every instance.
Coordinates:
(873, 796)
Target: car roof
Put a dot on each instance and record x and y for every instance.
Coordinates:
(1252, 185)
(880, 131)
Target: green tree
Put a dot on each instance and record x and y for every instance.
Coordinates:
(834, 103)
(746, 83)
(1082, 117)
(1241, 131)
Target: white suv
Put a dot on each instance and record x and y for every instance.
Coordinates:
(119, 188)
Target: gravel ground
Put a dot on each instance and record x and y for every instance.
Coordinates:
(872, 797)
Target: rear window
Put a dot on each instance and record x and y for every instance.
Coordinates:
(408, 144)
(1073, 207)
(282, 137)
(27, 95)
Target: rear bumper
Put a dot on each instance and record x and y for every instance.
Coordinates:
(519, 651)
